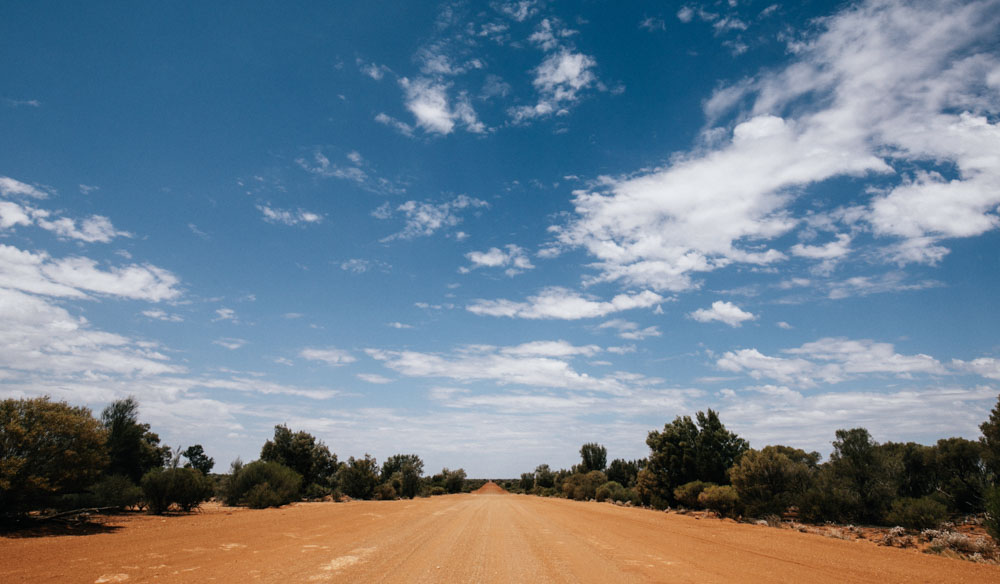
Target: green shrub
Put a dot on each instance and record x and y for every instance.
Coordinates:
(186, 487)
(435, 491)
(385, 492)
(582, 486)
(610, 490)
(922, 513)
(993, 511)
(723, 500)
(687, 494)
(768, 481)
(262, 484)
(116, 491)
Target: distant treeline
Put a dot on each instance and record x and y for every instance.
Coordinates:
(55, 457)
(699, 464)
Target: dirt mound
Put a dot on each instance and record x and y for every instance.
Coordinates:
(490, 488)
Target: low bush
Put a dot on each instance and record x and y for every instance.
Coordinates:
(186, 487)
(116, 491)
(385, 492)
(723, 500)
(610, 490)
(687, 494)
(923, 513)
(262, 484)
(435, 491)
(992, 521)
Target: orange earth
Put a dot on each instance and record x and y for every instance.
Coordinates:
(458, 538)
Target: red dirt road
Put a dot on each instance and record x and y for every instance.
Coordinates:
(461, 538)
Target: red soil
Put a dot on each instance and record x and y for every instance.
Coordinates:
(490, 488)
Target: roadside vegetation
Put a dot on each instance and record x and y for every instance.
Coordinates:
(56, 459)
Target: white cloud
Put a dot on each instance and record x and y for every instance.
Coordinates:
(41, 337)
(629, 330)
(514, 259)
(423, 219)
(829, 251)
(374, 378)
(428, 101)
(520, 10)
(225, 314)
(540, 364)
(685, 14)
(95, 228)
(12, 214)
(558, 80)
(161, 315)
(373, 70)
(653, 24)
(722, 311)
(399, 325)
(10, 187)
(230, 343)
(987, 367)
(561, 303)
(74, 277)
(401, 127)
(889, 85)
(830, 360)
(333, 357)
(288, 216)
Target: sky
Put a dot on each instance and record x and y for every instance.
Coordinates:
(490, 232)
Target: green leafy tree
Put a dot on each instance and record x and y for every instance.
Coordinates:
(261, 484)
(768, 481)
(359, 477)
(527, 481)
(187, 487)
(403, 472)
(624, 472)
(685, 452)
(46, 449)
(198, 460)
(991, 443)
(583, 486)
(961, 474)
(544, 477)
(451, 481)
(722, 499)
(593, 456)
(867, 473)
(133, 449)
(918, 475)
(301, 452)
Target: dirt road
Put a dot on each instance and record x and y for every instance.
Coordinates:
(461, 538)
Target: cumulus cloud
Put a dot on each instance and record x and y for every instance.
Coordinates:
(564, 304)
(558, 80)
(423, 219)
(333, 357)
(830, 360)
(10, 187)
(427, 99)
(987, 367)
(75, 277)
(95, 228)
(723, 311)
(890, 85)
(512, 258)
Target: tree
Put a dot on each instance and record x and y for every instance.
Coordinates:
(197, 459)
(961, 474)
(133, 449)
(527, 481)
(261, 484)
(46, 449)
(866, 472)
(301, 452)
(453, 480)
(991, 443)
(359, 477)
(685, 452)
(768, 481)
(593, 457)
(544, 477)
(624, 472)
(583, 486)
(187, 487)
(403, 472)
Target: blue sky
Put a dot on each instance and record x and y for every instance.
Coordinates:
(488, 232)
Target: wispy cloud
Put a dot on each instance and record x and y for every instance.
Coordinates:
(424, 219)
(564, 304)
(288, 216)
